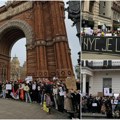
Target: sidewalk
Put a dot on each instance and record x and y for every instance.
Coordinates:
(93, 115)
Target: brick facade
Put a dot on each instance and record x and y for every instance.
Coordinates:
(42, 23)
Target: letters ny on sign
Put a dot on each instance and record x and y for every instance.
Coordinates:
(101, 44)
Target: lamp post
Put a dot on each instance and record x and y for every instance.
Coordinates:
(74, 10)
(74, 14)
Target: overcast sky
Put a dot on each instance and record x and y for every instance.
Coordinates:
(20, 51)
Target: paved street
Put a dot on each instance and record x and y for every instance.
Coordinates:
(93, 116)
(12, 109)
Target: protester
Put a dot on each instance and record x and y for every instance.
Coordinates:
(55, 94)
(27, 94)
(48, 102)
(99, 32)
(68, 106)
(4, 90)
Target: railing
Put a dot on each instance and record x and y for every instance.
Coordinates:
(104, 64)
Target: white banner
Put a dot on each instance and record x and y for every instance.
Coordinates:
(33, 86)
(29, 78)
(8, 87)
(106, 91)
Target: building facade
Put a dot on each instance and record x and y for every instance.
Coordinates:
(42, 24)
(17, 72)
(97, 13)
(116, 15)
(98, 75)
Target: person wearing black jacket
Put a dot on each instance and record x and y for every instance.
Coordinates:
(108, 108)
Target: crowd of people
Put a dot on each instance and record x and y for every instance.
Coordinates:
(53, 94)
(99, 32)
(108, 105)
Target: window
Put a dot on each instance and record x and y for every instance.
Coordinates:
(107, 83)
(91, 5)
(82, 5)
(104, 4)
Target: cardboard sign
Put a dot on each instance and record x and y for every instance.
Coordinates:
(71, 83)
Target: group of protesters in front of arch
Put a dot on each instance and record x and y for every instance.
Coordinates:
(55, 94)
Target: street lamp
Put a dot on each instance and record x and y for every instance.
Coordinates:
(74, 14)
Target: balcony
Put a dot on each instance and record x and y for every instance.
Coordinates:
(103, 64)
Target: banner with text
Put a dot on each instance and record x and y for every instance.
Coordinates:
(101, 44)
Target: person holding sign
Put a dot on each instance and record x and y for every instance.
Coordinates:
(34, 92)
(27, 94)
(8, 89)
(61, 97)
(68, 106)
(94, 105)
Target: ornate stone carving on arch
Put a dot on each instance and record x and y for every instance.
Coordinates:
(22, 25)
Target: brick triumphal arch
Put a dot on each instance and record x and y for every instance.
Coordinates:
(42, 23)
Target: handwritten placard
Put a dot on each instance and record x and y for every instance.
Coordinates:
(71, 83)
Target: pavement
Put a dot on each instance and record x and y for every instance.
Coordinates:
(93, 115)
(13, 109)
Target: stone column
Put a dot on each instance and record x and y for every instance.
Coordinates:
(62, 54)
(91, 84)
(84, 83)
(96, 14)
(40, 47)
(86, 5)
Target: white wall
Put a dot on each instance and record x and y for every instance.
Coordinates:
(97, 84)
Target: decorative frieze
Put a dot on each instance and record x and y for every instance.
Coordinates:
(16, 10)
(22, 25)
(47, 42)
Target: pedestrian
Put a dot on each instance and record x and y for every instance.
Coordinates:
(27, 94)
(60, 98)
(39, 93)
(55, 96)
(21, 92)
(108, 108)
(68, 106)
(34, 92)
(4, 90)
(48, 102)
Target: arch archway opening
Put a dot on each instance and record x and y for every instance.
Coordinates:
(9, 38)
(18, 64)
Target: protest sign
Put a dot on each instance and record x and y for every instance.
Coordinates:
(28, 79)
(71, 83)
(33, 86)
(8, 87)
(106, 91)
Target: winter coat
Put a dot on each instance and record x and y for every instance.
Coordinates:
(68, 102)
